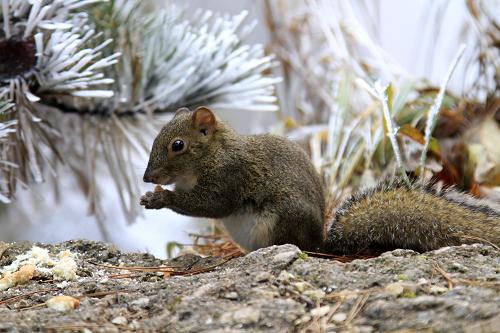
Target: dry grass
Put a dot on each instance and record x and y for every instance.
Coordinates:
(327, 47)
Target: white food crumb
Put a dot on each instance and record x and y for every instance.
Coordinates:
(63, 303)
(61, 268)
(65, 269)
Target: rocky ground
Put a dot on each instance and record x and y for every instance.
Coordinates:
(275, 289)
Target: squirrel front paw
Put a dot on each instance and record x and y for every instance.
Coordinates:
(153, 200)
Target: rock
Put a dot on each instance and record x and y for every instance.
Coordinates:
(268, 290)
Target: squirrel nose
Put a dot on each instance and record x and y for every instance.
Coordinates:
(147, 178)
(150, 176)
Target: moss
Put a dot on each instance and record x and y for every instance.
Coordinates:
(408, 295)
(303, 255)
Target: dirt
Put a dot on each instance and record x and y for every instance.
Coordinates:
(275, 289)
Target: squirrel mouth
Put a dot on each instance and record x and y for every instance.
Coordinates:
(166, 181)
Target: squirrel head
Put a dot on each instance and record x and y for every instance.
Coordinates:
(180, 145)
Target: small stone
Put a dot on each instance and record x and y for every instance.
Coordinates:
(231, 295)
(399, 288)
(301, 286)
(422, 281)
(141, 302)
(315, 295)
(263, 277)
(394, 289)
(246, 315)
(304, 319)
(365, 329)
(460, 268)
(134, 325)
(62, 285)
(321, 311)
(285, 277)
(436, 290)
(339, 317)
(120, 320)
(284, 258)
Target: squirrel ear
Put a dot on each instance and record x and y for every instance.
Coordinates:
(204, 119)
(180, 111)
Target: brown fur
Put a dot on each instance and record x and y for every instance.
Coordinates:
(418, 217)
(266, 191)
(265, 176)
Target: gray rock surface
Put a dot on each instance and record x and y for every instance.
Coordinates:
(275, 289)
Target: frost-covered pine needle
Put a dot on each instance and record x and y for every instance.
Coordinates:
(173, 59)
(6, 128)
(58, 50)
(91, 74)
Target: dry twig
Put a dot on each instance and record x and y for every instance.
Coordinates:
(18, 297)
(445, 275)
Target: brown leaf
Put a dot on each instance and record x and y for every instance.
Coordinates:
(412, 133)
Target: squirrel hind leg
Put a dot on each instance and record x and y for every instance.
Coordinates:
(251, 230)
(261, 234)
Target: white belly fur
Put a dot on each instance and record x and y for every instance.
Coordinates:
(251, 231)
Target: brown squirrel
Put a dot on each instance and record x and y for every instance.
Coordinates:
(266, 191)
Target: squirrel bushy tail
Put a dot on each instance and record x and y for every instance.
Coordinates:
(416, 216)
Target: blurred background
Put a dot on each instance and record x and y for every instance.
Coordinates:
(319, 77)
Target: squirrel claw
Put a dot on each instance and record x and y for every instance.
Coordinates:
(152, 200)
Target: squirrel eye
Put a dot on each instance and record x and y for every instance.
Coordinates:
(177, 145)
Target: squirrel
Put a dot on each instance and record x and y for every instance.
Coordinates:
(266, 191)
